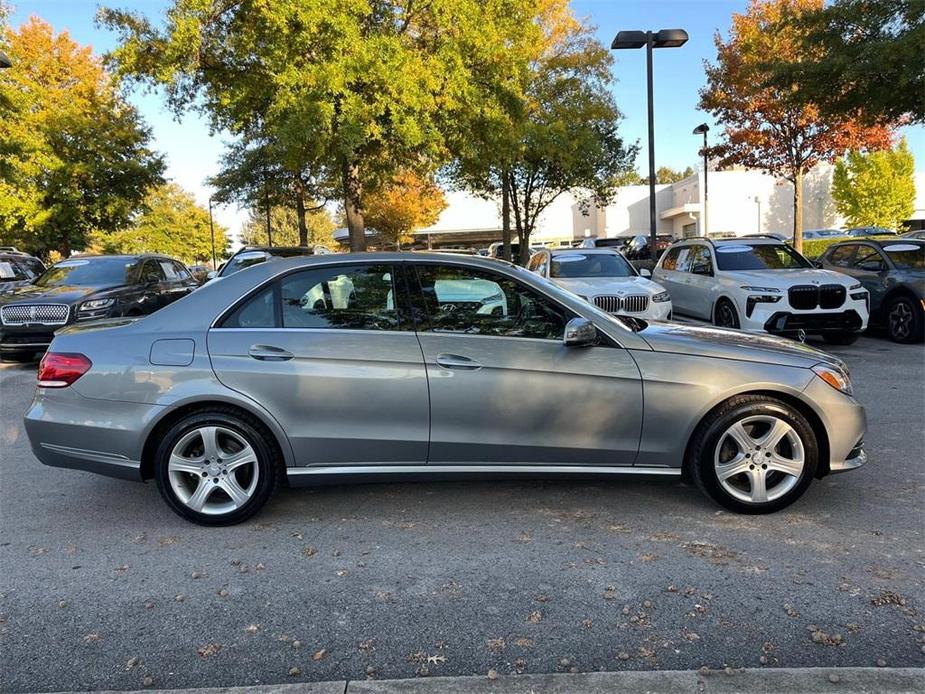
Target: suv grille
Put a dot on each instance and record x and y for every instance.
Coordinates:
(805, 297)
(42, 314)
(634, 303)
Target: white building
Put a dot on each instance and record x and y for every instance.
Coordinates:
(740, 202)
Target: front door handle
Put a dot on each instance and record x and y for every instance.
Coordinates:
(454, 361)
(269, 353)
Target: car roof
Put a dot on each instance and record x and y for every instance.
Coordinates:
(600, 250)
(893, 241)
(739, 240)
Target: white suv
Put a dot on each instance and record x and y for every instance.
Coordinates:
(606, 279)
(762, 285)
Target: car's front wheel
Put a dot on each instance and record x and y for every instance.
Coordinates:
(754, 454)
(216, 467)
(725, 315)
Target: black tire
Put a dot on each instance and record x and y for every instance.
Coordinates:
(269, 466)
(905, 320)
(725, 315)
(840, 338)
(710, 432)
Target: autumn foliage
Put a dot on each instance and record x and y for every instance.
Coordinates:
(407, 202)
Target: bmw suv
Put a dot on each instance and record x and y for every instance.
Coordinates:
(762, 285)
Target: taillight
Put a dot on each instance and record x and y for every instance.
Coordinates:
(59, 370)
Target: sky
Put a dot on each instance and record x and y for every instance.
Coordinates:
(192, 153)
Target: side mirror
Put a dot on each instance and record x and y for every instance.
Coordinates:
(817, 263)
(871, 266)
(645, 272)
(579, 332)
(211, 275)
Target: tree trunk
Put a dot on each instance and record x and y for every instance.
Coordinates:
(300, 211)
(523, 238)
(506, 215)
(353, 206)
(798, 210)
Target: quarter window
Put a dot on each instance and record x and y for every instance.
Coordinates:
(476, 302)
(256, 312)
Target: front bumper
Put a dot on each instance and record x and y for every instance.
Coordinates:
(845, 423)
(13, 340)
(782, 319)
(856, 458)
(68, 430)
(660, 311)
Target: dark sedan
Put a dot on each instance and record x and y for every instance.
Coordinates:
(86, 288)
(17, 268)
(893, 271)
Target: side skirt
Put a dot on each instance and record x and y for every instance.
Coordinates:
(344, 474)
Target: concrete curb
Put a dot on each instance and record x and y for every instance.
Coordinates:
(859, 680)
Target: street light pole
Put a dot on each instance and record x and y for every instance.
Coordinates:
(703, 129)
(758, 200)
(212, 231)
(663, 38)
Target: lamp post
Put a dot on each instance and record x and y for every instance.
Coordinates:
(663, 38)
(5, 60)
(758, 202)
(703, 129)
(212, 231)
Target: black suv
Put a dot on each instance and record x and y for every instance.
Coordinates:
(254, 255)
(86, 288)
(17, 268)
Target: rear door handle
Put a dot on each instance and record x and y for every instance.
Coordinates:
(269, 353)
(455, 361)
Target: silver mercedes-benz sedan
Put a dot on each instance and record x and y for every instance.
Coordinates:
(381, 366)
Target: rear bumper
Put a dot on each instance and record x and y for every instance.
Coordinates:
(102, 436)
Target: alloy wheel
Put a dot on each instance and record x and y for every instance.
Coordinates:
(726, 317)
(759, 459)
(213, 470)
(901, 320)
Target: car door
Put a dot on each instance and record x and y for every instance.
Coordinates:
(665, 272)
(700, 282)
(679, 280)
(153, 286)
(503, 387)
(177, 281)
(871, 269)
(329, 351)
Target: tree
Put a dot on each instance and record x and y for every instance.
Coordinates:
(76, 156)
(875, 189)
(286, 228)
(665, 174)
(359, 89)
(408, 202)
(561, 126)
(859, 58)
(171, 223)
(763, 129)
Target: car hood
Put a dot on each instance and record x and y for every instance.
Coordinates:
(784, 279)
(734, 344)
(9, 285)
(609, 285)
(66, 294)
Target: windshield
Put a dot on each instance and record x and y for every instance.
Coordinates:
(765, 256)
(18, 269)
(248, 258)
(906, 256)
(573, 265)
(88, 272)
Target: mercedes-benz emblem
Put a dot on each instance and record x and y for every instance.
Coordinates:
(801, 335)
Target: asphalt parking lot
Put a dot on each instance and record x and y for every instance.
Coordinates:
(101, 586)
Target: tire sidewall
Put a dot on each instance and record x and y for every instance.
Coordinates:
(711, 437)
(735, 314)
(915, 330)
(265, 464)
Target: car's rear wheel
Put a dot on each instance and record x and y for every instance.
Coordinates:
(844, 338)
(905, 320)
(216, 467)
(754, 454)
(725, 315)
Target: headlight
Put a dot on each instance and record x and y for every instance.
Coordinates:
(854, 286)
(836, 378)
(96, 304)
(661, 297)
(766, 290)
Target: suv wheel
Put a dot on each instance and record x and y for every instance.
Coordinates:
(216, 467)
(725, 315)
(905, 320)
(840, 338)
(754, 454)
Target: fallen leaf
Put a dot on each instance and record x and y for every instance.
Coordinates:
(535, 616)
(318, 655)
(209, 650)
(309, 552)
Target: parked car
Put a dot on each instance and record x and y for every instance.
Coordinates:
(761, 285)
(615, 242)
(639, 247)
(809, 234)
(893, 271)
(496, 250)
(254, 255)
(869, 231)
(200, 273)
(920, 234)
(606, 279)
(87, 288)
(17, 268)
(270, 374)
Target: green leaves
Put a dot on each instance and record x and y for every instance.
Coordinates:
(875, 189)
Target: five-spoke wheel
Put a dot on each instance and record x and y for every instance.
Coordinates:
(216, 467)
